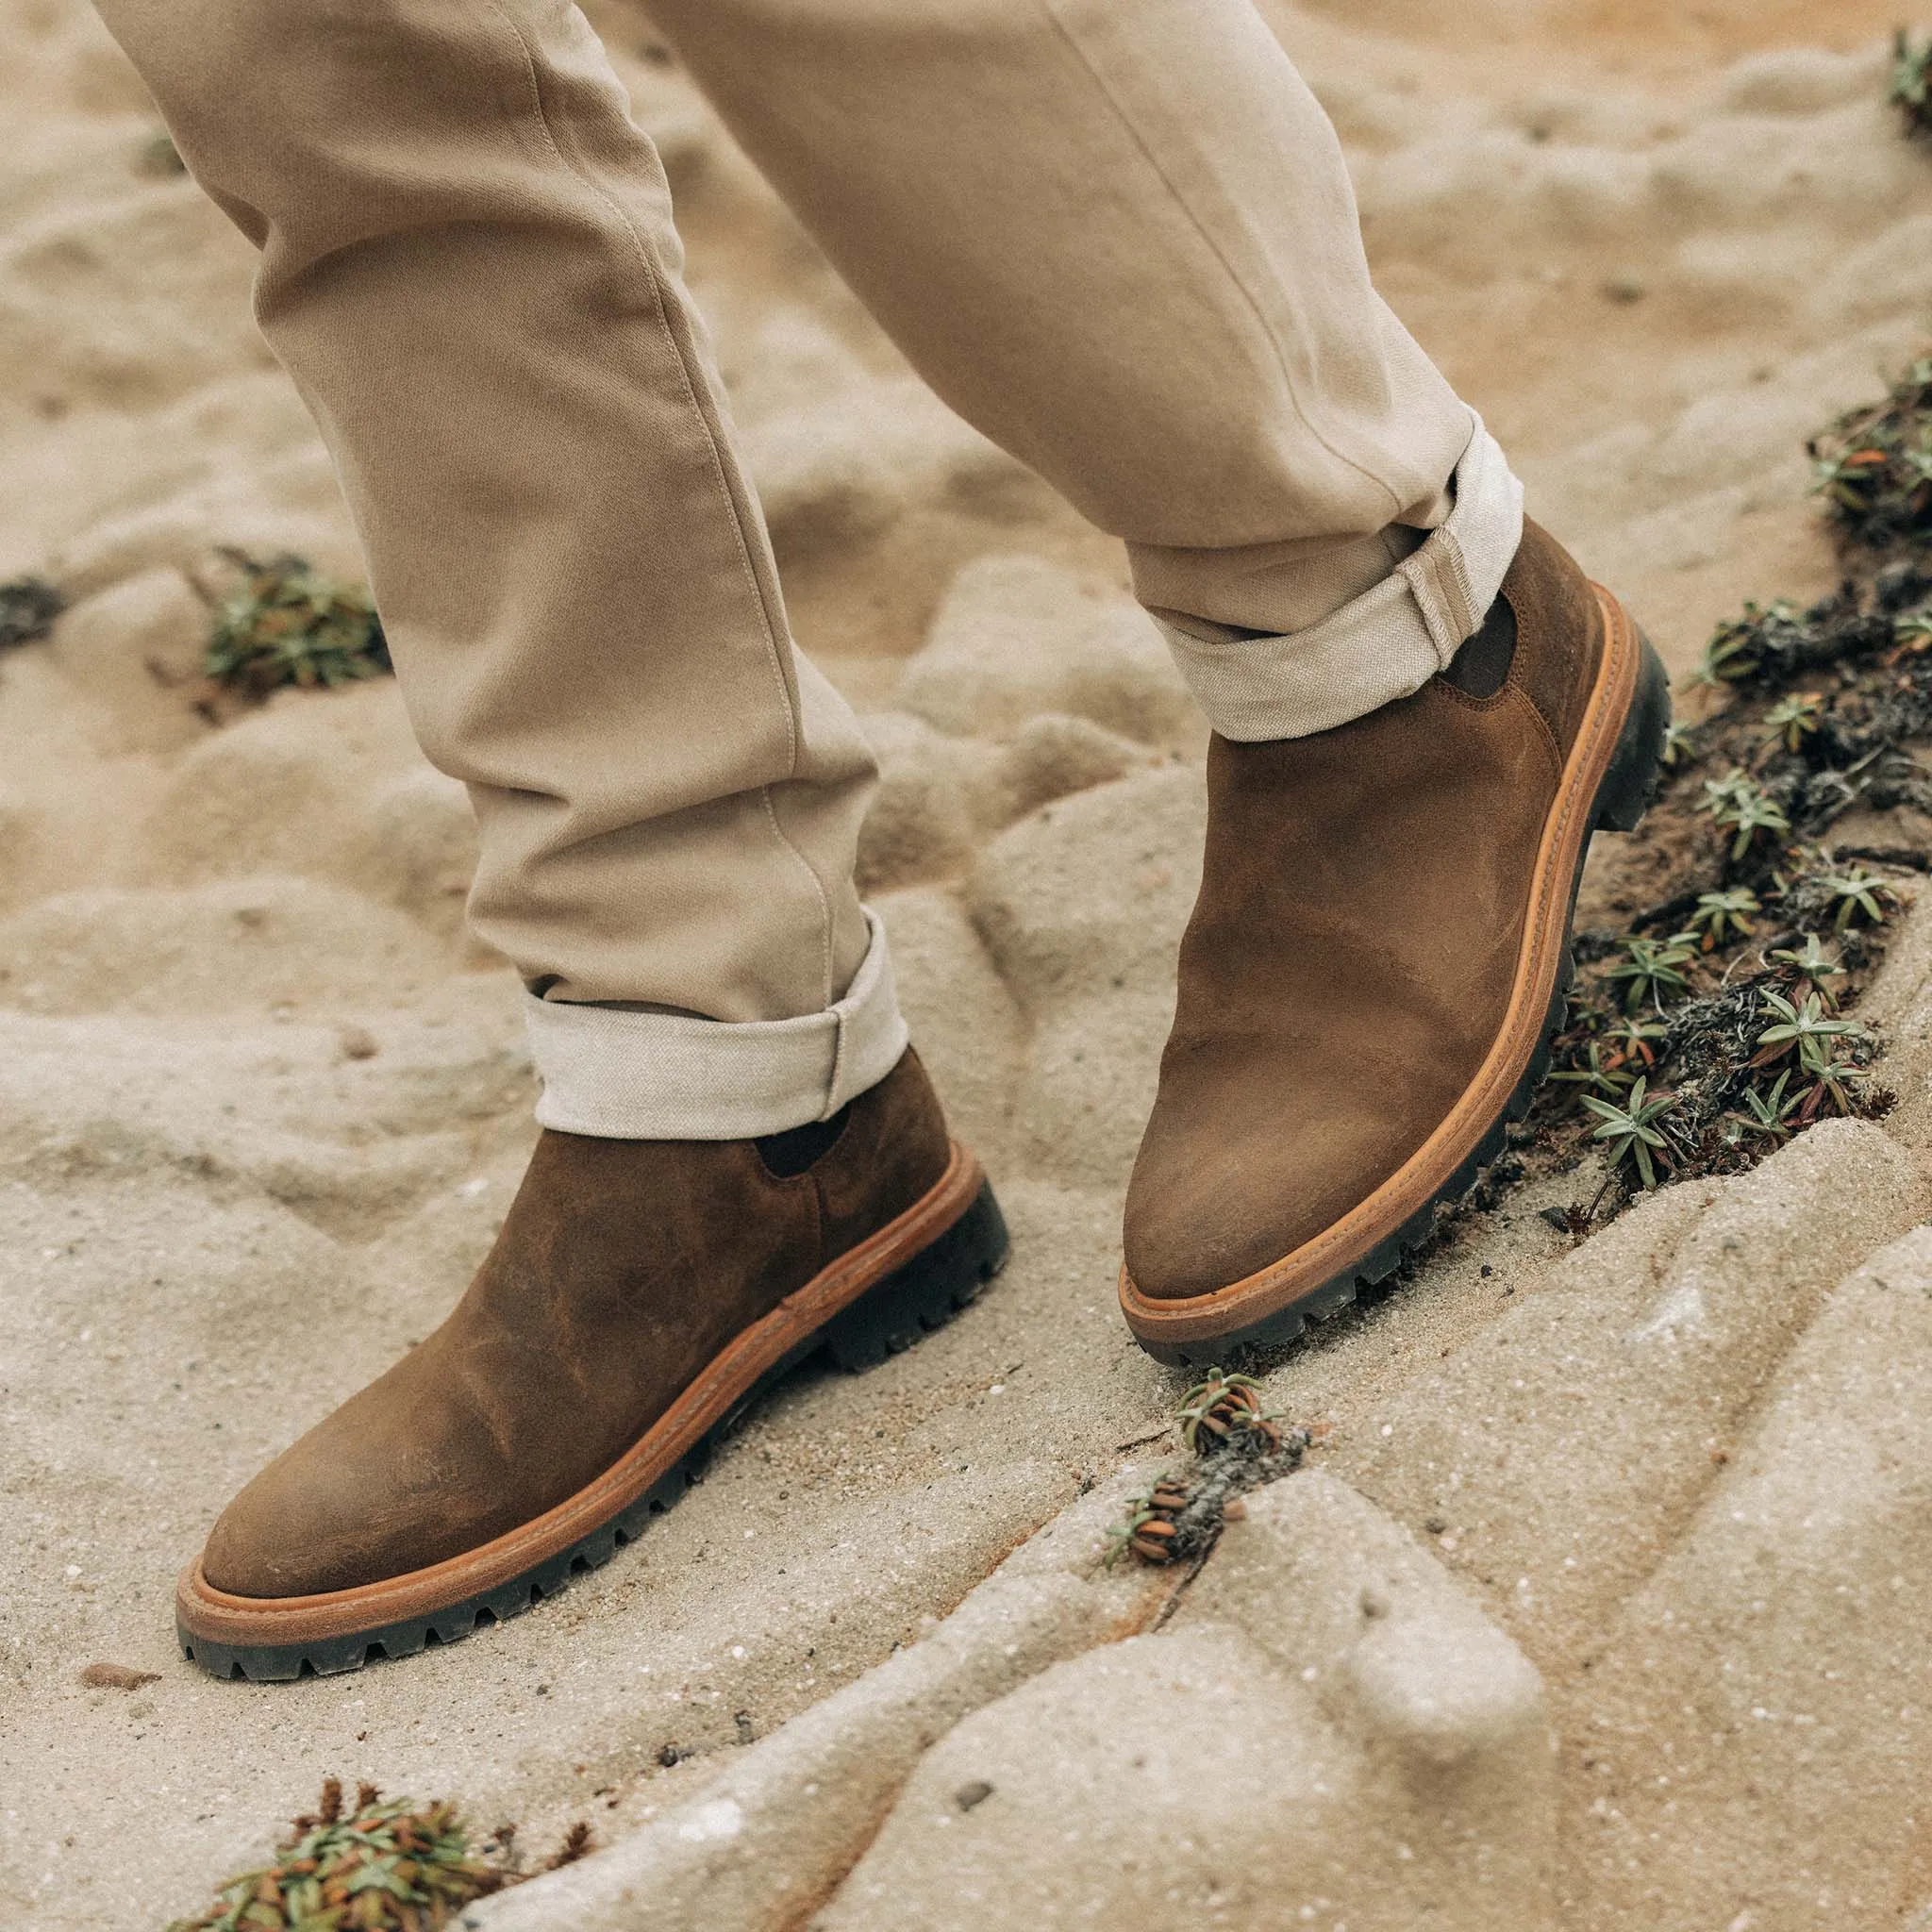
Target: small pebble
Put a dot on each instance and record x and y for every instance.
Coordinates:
(117, 1678)
(358, 1043)
(977, 1793)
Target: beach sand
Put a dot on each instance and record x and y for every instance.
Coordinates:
(262, 1105)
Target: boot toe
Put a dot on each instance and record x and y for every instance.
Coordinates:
(366, 1494)
(1205, 1212)
(264, 1544)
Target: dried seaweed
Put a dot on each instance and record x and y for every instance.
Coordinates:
(29, 607)
(1237, 1447)
(1717, 1024)
(377, 1866)
(286, 623)
(1874, 466)
(1911, 83)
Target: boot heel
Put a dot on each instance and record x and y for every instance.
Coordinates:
(926, 1293)
(1637, 768)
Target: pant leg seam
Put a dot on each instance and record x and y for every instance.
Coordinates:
(615, 209)
(817, 886)
(1200, 229)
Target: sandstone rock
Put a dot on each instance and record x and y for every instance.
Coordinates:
(1162, 1781)
(1899, 1004)
(834, 472)
(670, 109)
(1330, 1732)
(1801, 80)
(319, 784)
(770, 1837)
(1591, 116)
(1399, 1654)
(23, 827)
(1017, 636)
(1573, 1440)
(1087, 898)
(924, 820)
(93, 71)
(1734, 436)
(789, 363)
(825, 483)
(1052, 756)
(1081, 906)
(181, 534)
(1367, 115)
(963, 1018)
(938, 796)
(1753, 1743)
(1448, 1713)
(1170, 1780)
(347, 1148)
(1691, 531)
(162, 280)
(413, 845)
(1756, 168)
(1869, 284)
(1536, 193)
(246, 942)
(132, 650)
(1088, 1081)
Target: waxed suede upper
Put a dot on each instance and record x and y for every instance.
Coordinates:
(624, 1268)
(1556, 612)
(1349, 962)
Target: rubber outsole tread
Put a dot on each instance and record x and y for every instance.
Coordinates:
(1628, 789)
(923, 1294)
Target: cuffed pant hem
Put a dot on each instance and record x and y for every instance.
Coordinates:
(622, 1075)
(1385, 643)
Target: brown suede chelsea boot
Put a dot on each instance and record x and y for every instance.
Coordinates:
(640, 1293)
(1377, 962)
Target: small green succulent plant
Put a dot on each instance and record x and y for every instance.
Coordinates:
(1630, 1130)
(286, 623)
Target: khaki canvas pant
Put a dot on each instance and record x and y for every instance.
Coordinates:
(1116, 235)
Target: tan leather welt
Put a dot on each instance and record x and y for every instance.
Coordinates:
(219, 1618)
(1429, 1170)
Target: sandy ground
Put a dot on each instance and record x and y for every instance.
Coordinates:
(1655, 244)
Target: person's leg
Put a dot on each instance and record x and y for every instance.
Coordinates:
(469, 268)
(1118, 235)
